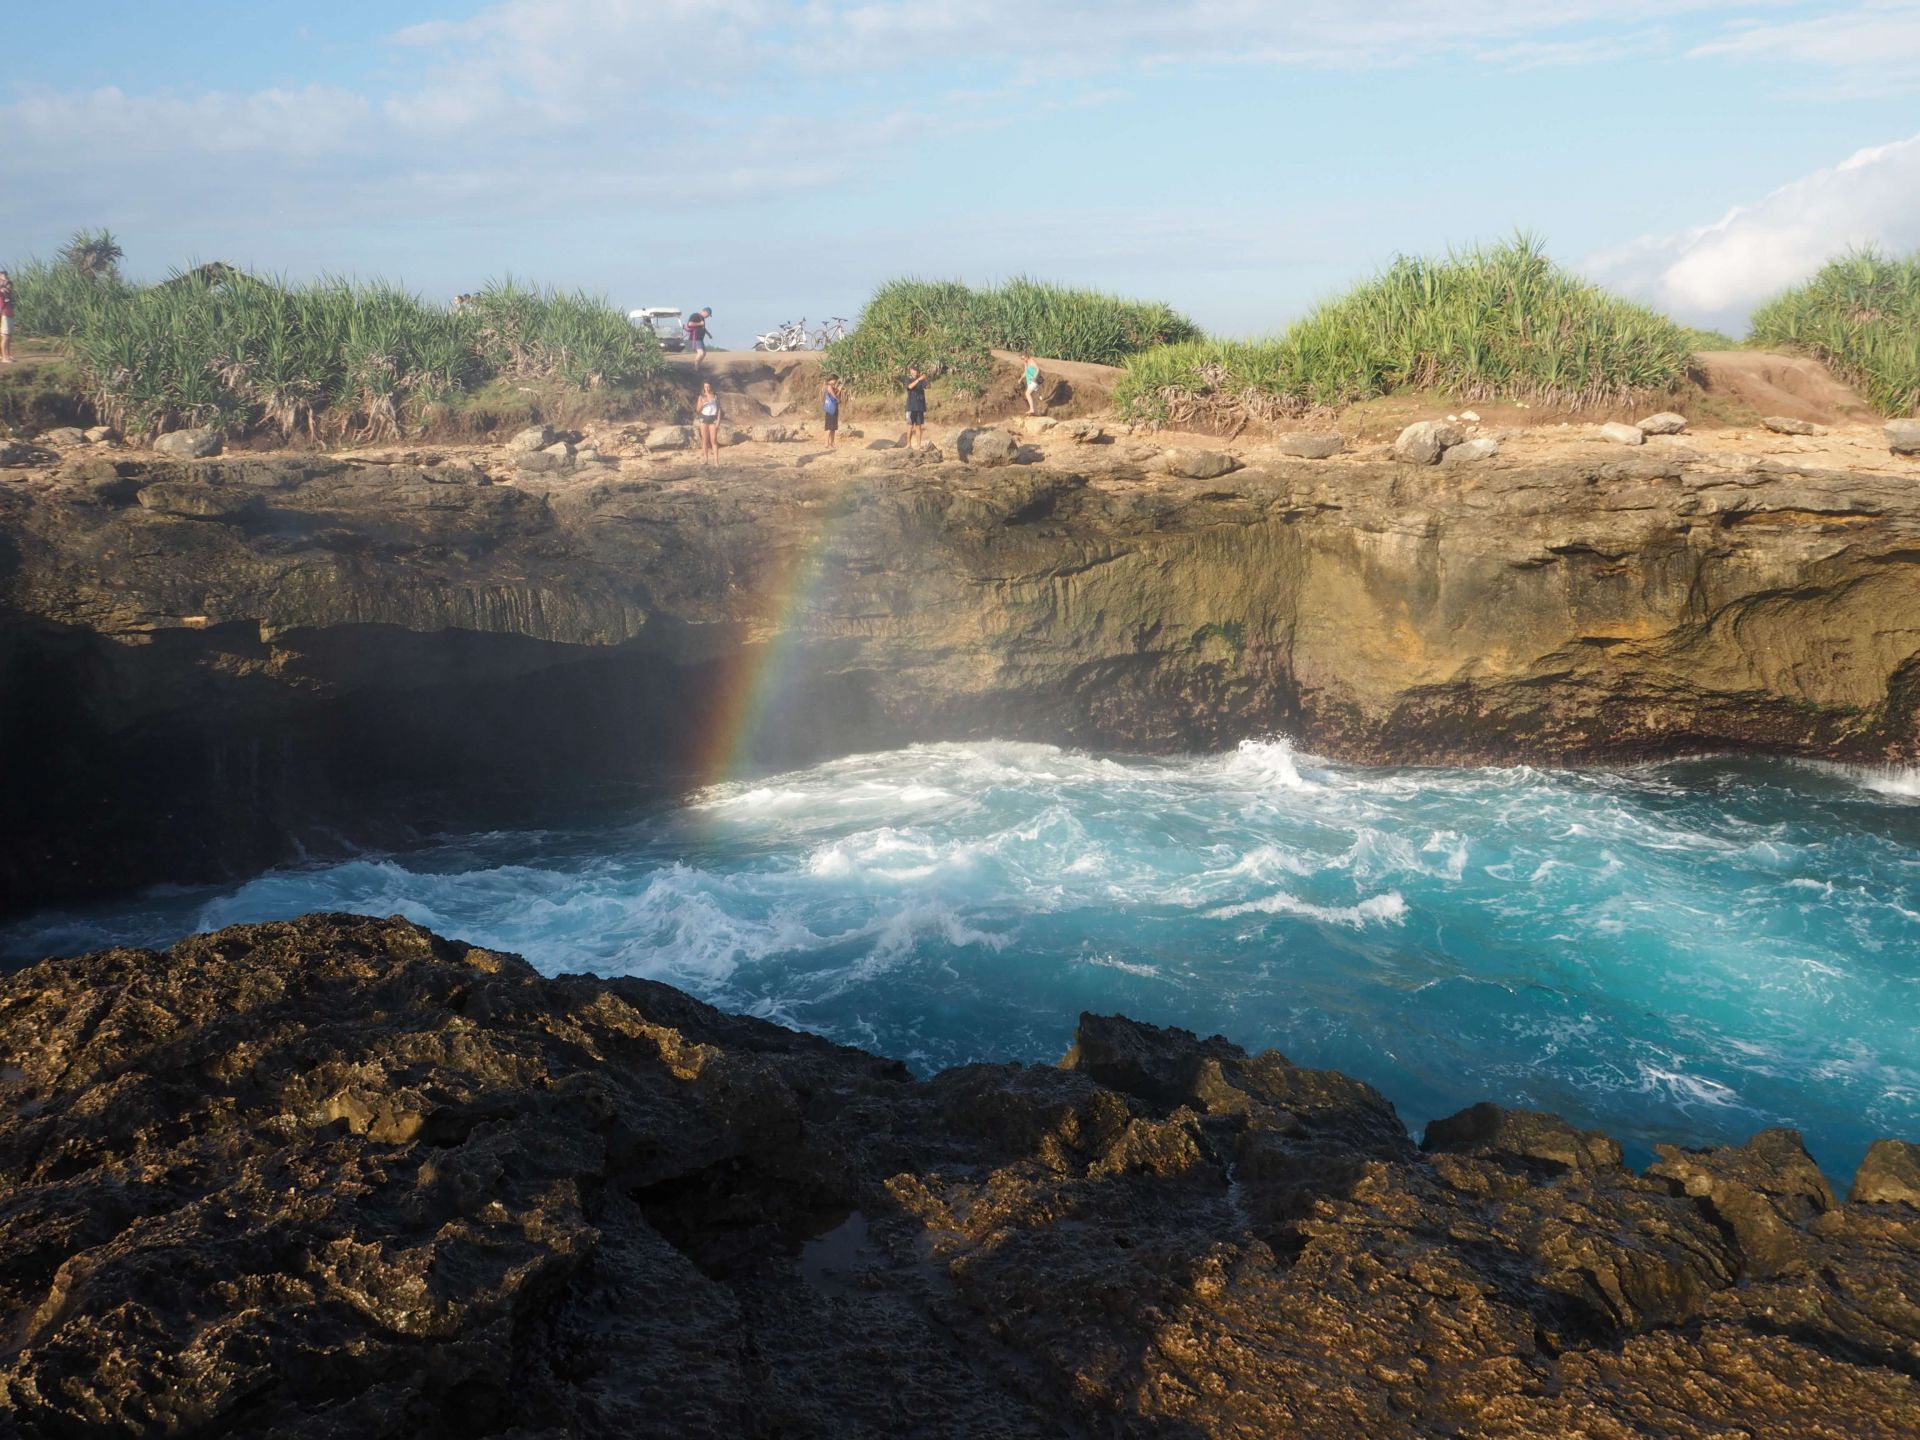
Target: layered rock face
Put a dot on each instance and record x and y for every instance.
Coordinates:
(208, 665)
(340, 1177)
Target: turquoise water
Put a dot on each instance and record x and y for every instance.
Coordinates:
(1688, 952)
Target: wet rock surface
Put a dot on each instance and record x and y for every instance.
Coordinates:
(208, 667)
(340, 1177)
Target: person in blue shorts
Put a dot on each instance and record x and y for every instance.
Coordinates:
(830, 410)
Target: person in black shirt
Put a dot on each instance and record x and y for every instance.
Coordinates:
(916, 404)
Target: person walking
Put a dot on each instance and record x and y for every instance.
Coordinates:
(708, 419)
(1030, 377)
(6, 318)
(916, 405)
(697, 334)
(830, 410)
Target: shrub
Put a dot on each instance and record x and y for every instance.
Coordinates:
(949, 329)
(1861, 315)
(214, 346)
(1495, 322)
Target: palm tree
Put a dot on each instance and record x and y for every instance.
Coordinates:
(96, 255)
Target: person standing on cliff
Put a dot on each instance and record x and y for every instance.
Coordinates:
(1030, 378)
(6, 318)
(707, 417)
(916, 405)
(697, 334)
(830, 410)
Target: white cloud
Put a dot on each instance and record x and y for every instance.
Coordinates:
(1715, 274)
(1874, 48)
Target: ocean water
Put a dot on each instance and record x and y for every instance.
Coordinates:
(1689, 952)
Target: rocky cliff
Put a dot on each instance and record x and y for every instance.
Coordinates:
(208, 665)
(340, 1177)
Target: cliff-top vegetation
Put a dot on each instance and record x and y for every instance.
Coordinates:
(330, 360)
(1861, 315)
(950, 330)
(1496, 322)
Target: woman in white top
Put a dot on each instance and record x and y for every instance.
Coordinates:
(707, 415)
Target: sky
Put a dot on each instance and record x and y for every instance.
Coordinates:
(774, 159)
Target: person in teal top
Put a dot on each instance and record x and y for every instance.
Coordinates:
(1030, 377)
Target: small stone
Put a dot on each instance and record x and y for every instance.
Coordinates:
(1472, 417)
(1425, 441)
(1787, 425)
(1310, 447)
(1665, 423)
(1195, 464)
(533, 438)
(1889, 1175)
(1623, 434)
(1903, 437)
(1469, 451)
(198, 444)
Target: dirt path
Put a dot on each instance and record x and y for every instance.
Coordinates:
(1788, 385)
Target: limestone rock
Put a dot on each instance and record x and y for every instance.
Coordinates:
(555, 459)
(197, 444)
(771, 434)
(200, 502)
(532, 439)
(1084, 432)
(1621, 434)
(669, 437)
(1310, 447)
(1890, 1174)
(1191, 463)
(1787, 425)
(986, 447)
(1665, 423)
(103, 435)
(1903, 437)
(1425, 441)
(1467, 452)
(1037, 424)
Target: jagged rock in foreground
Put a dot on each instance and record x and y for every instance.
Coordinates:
(339, 1177)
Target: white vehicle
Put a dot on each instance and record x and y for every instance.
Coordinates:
(665, 322)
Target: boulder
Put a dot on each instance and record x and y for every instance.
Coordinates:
(1084, 432)
(1623, 434)
(103, 435)
(1889, 1175)
(589, 455)
(1467, 452)
(200, 502)
(552, 460)
(1037, 424)
(732, 436)
(65, 435)
(1310, 447)
(669, 437)
(1494, 1132)
(1764, 1193)
(1787, 425)
(1903, 437)
(532, 439)
(1665, 423)
(987, 447)
(1425, 441)
(1195, 464)
(195, 444)
(771, 434)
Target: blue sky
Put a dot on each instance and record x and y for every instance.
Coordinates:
(772, 159)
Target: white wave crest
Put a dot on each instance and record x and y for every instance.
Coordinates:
(1389, 908)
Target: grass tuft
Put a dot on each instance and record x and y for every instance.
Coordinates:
(948, 329)
(1861, 315)
(1497, 322)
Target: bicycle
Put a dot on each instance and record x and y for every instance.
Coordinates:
(827, 334)
(789, 335)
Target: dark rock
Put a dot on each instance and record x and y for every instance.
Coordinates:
(338, 1177)
(1529, 1135)
(1890, 1174)
(1765, 1192)
(200, 502)
(197, 444)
